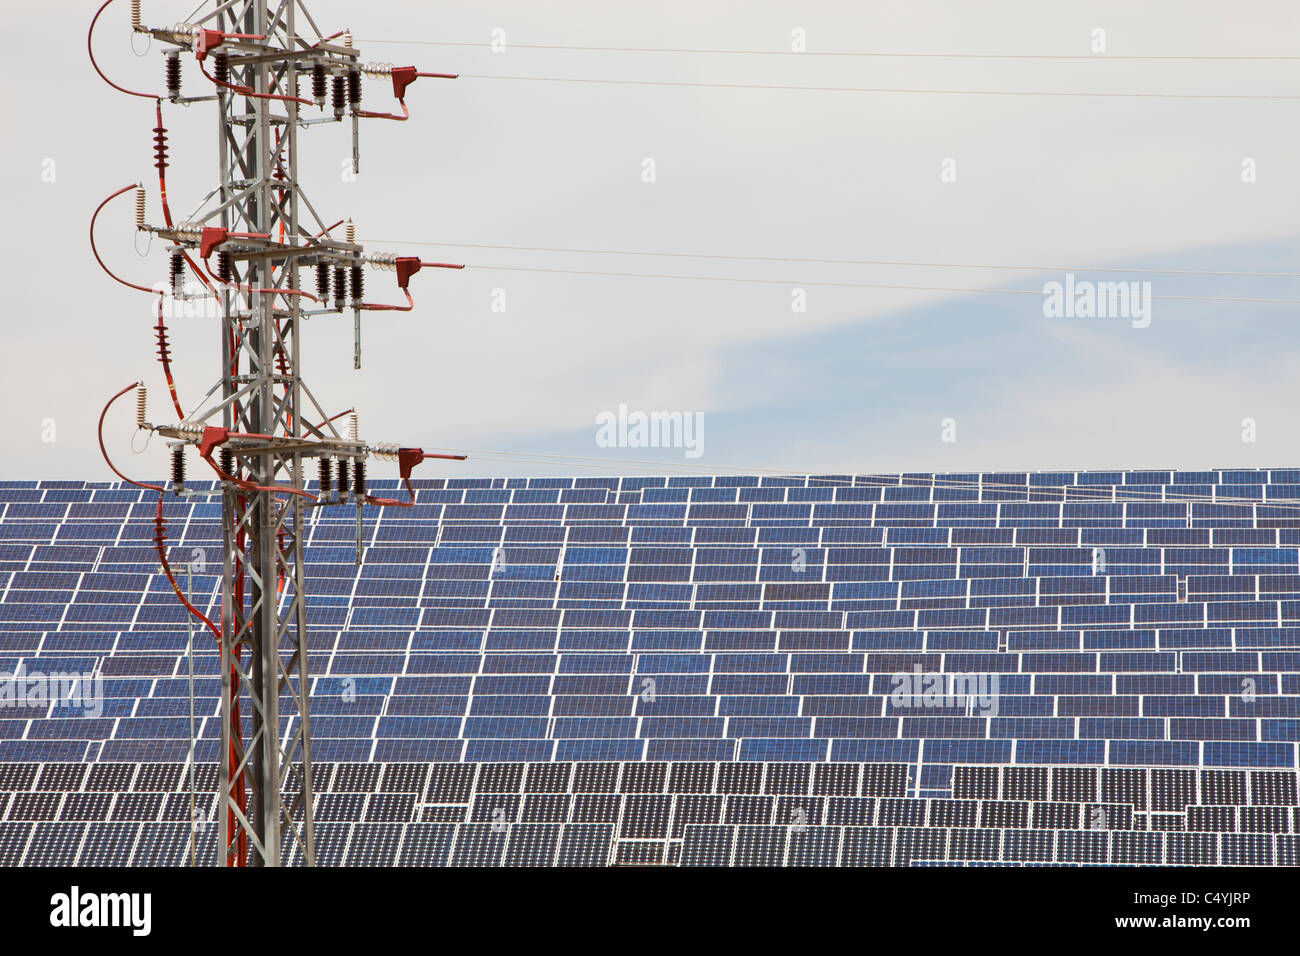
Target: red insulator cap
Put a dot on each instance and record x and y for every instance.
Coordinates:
(405, 267)
(212, 237)
(403, 76)
(212, 437)
(207, 40)
(408, 458)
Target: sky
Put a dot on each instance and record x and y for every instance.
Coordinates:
(863, 379)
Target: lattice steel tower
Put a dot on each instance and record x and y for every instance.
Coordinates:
(260, 420)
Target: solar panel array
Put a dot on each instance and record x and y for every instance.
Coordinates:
(695, 671)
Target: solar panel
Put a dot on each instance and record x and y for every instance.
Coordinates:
(750, 631)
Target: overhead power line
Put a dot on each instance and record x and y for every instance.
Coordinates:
(844, 262)
(858, 285)
(876, 54)
(880, 89)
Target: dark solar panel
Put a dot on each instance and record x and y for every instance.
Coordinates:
(702, 671)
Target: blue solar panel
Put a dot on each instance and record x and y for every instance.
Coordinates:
(750, 621)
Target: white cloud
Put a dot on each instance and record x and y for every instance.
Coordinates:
(1058, 181)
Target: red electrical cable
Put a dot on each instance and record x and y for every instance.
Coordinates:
(238, 785)
(330, 37)
(375, 307)
(248, 291)
(213, 237)
(407, 459)
(95, 251)
(333, 418)
(368, 114)
(158, 520)
(241, 482)
(279, 177)
(237, 854)
(163, 354)
(158, 528)
(282, 366)
(160, 543)
(393, 502)
(279, 578)
(89, 49)
(232, 351)
(253, 486)
(246, 91)
(403, 77)
(406, 267)
(239, 789)
(104, 451)
(400, 83)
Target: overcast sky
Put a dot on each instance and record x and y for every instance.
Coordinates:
(863, 380)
